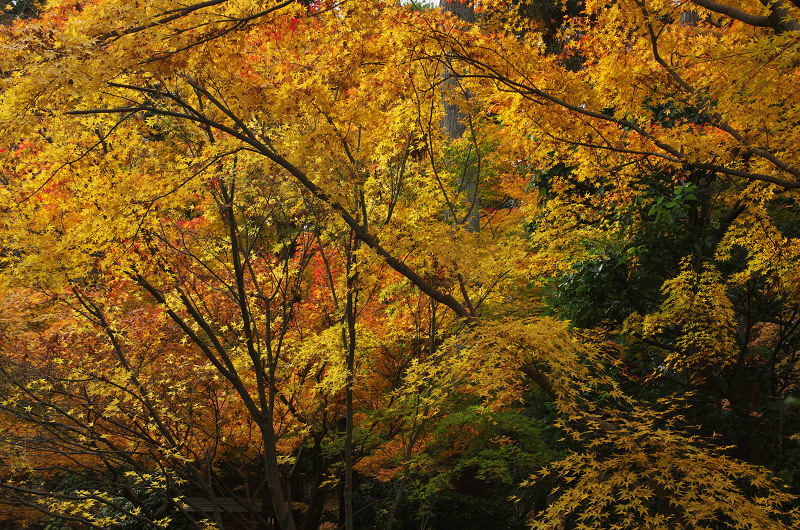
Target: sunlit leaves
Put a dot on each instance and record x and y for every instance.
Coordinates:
(198, 200)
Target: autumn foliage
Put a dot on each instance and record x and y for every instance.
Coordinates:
(364, 264)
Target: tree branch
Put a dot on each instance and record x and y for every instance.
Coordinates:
(732, 12)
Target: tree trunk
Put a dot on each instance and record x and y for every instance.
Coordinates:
(453, 125)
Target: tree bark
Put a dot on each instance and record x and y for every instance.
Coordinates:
(453, 125)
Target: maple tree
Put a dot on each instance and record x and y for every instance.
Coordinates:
(242, 258)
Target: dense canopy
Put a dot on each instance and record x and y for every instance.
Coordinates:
(382, 264)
